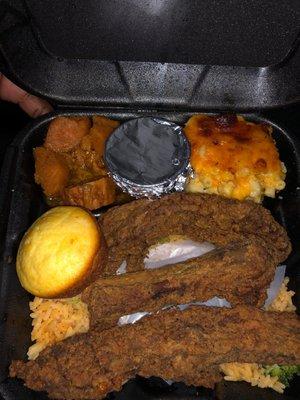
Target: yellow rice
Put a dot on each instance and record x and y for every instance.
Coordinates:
(55, 320)
(251, 373)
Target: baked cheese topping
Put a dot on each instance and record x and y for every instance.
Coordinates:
(233, 157)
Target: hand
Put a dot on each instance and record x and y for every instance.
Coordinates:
(32, 105)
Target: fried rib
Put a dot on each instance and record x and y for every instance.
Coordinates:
(238, 273)
(179, 345)
(132, 228)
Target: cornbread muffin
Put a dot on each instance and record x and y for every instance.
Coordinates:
(233, 158)
(61, 253)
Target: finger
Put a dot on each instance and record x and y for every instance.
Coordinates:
(32, 105)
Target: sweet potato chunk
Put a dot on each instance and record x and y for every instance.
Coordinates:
(91, 195)
(84, 165)
(70, 165)
(101, 129)
(65, 133)
(51, 171)
(106, 123)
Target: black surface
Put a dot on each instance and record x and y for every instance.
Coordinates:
(177, 58)
(22, 202)
(210, 32)
(12, 120)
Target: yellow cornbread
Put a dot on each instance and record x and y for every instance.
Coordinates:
(57, 251)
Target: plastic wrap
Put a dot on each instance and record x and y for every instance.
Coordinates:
(274, 288)
(175, 252)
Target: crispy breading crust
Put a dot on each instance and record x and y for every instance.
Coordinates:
(132, 228)
(178, 345)
(239, 272)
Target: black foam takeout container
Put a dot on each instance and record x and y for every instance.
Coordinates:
(153, 59)
(22, 202)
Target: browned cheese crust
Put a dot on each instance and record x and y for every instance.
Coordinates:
(130, 229)
(240, 273)
(178, 345)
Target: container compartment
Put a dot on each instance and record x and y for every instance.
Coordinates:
(22, 202)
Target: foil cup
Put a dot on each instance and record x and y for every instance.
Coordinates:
(148, 157)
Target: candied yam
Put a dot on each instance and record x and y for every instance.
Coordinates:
(51, 171)
(98, 141)
(65, 133)
(100, 120)
(91, 195)
(101, 129)
(86, 143)
(85, 165)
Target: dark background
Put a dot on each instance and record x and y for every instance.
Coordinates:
(12, 120)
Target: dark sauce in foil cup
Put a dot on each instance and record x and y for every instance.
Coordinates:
(148, 157)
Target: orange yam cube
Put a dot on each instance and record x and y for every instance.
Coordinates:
(65, 133)
(91, 195)
(101, 129)
(51, 171)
